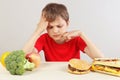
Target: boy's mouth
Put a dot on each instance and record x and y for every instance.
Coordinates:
(56, 35)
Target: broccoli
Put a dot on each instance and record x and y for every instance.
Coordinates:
(17, 64)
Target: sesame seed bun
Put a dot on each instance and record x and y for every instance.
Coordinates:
(77, 66)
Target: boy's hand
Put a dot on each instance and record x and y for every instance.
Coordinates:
(42, 24)
(70, 35)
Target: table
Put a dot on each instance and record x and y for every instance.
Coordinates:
(53, 71)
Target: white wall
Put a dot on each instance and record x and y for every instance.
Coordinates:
(99, 19)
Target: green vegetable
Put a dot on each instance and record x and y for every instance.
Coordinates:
(17, 64)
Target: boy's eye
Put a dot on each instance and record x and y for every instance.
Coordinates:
(59, 26)
(50, 27)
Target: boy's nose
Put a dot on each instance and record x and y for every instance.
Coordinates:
(55, 30)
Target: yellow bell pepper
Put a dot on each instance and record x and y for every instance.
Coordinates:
(2, 58)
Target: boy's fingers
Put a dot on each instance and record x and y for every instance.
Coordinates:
(68, 39)
(65, 34)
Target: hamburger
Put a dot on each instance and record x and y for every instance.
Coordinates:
(77, 66)
(106, 65)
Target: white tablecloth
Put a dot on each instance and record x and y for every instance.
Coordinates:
(53, 71)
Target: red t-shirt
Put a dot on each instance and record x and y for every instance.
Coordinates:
(59, 52)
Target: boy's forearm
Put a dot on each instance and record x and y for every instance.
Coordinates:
(93, 50)
(29, 46)
(41, 26)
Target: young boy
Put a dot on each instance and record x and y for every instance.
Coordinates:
(57, 43)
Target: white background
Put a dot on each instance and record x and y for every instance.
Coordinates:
(98, 19)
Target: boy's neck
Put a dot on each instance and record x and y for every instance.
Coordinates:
(61, 41)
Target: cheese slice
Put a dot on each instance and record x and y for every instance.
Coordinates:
(106, 69)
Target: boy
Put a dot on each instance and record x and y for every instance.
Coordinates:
(57, 43)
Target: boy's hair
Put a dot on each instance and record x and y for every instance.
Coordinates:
(53, 10)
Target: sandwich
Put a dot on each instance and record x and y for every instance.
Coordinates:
(77, 66)
(106, 65)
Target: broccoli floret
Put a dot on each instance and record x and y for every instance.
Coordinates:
(17, 64)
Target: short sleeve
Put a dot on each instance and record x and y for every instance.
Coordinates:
(81, 44)
(40, 43)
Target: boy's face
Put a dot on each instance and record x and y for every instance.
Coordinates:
(57, 28)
